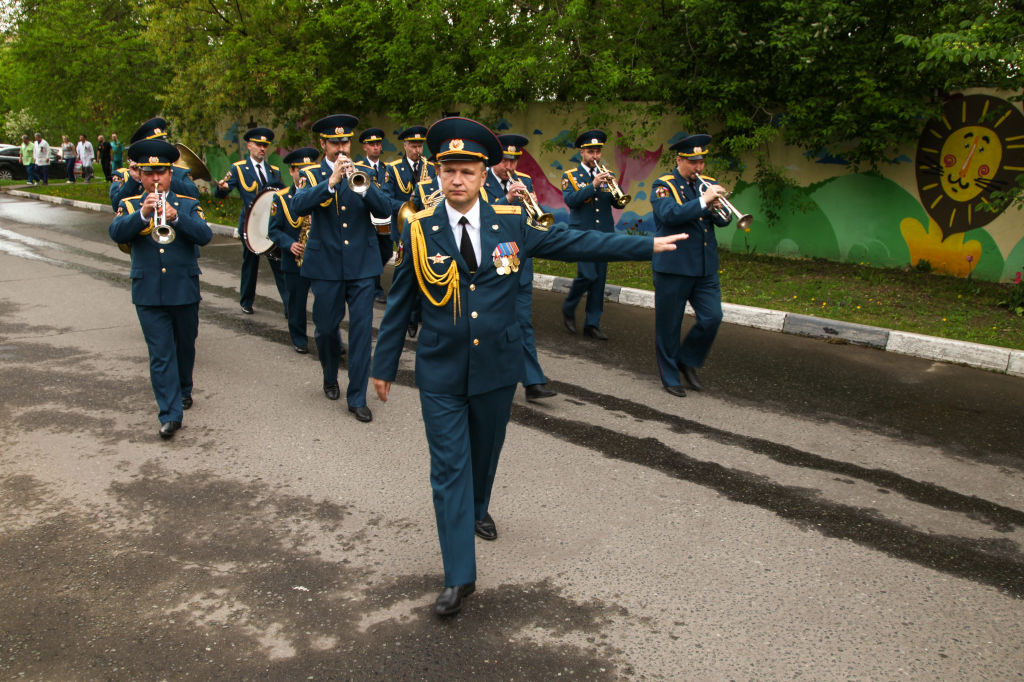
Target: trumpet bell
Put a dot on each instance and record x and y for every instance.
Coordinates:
(622, 200)
(164, 234)
(545, 220)
(359, 182)
(744, 222)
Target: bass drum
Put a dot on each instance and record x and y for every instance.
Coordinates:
(257, 226)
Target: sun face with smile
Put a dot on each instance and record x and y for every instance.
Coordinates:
(970, 158)
(974, 148)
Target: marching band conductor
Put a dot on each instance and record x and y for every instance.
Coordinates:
(457, 265)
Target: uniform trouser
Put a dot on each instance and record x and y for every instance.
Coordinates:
(250, 271)
(524, 315)
(297, 288)
(329, 299)
(671, 292)
(589, 280)
(465, 435)
(386, 251)
(170, 333)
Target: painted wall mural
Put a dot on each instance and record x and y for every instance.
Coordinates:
(929, 204)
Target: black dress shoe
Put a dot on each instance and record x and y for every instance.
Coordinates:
(167, 429)
(247, 309)
(186, 402)
(332, 392)
(570, 323)
(485, 528)
(413, 328)
(536, 392)
(677, 391)
(690, 374)
(363, 413)
(302, 350)
(381, 297)
(594, 333)
(450, 600)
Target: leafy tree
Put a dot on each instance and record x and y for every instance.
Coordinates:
(81, 66)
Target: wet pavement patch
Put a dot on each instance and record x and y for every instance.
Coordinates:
(205, 577)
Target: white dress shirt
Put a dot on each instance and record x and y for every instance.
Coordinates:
(473, 216)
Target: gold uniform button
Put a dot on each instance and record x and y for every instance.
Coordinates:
(476, 342)
(473, 315)
(344, 224)
(346, 242)
(161, 250)
(163, 269)
(472, 287)
(344, 208)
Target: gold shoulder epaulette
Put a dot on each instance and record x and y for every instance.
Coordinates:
(239, 163)
(666, 178)
(275, 167)
(310, 177)
(522, 175)
(282, 192)
(137, 196)
(395, 162)
(185, 196)
(506, 209)
(708, 177)
(420, 215)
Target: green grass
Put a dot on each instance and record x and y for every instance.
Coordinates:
(904, 299)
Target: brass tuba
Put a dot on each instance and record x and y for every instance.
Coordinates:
(619, 198)
(196, 168)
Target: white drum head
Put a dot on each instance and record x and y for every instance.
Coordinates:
(257, 223)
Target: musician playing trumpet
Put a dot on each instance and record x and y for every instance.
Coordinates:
(165, 276)
(682, 201)
(341, 258)
(585, 190)
(506, 185)
(290, 231)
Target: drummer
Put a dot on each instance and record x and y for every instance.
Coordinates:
(289, 232)
(251, 177)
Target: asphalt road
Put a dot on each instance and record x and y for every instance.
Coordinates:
(822, 511)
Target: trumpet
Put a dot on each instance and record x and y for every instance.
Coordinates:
(162, 232)
(534, 212)
(358, 181)
(619, 198)
(726, 209)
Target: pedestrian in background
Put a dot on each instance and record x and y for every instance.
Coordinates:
(41, 151)
(116, 152)
(86, 155)
(103, 150)
(68, 155)
(28, 160)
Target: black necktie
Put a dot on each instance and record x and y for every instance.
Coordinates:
(466, 246)
(263, 178)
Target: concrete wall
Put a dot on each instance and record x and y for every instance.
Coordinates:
(923, 205)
